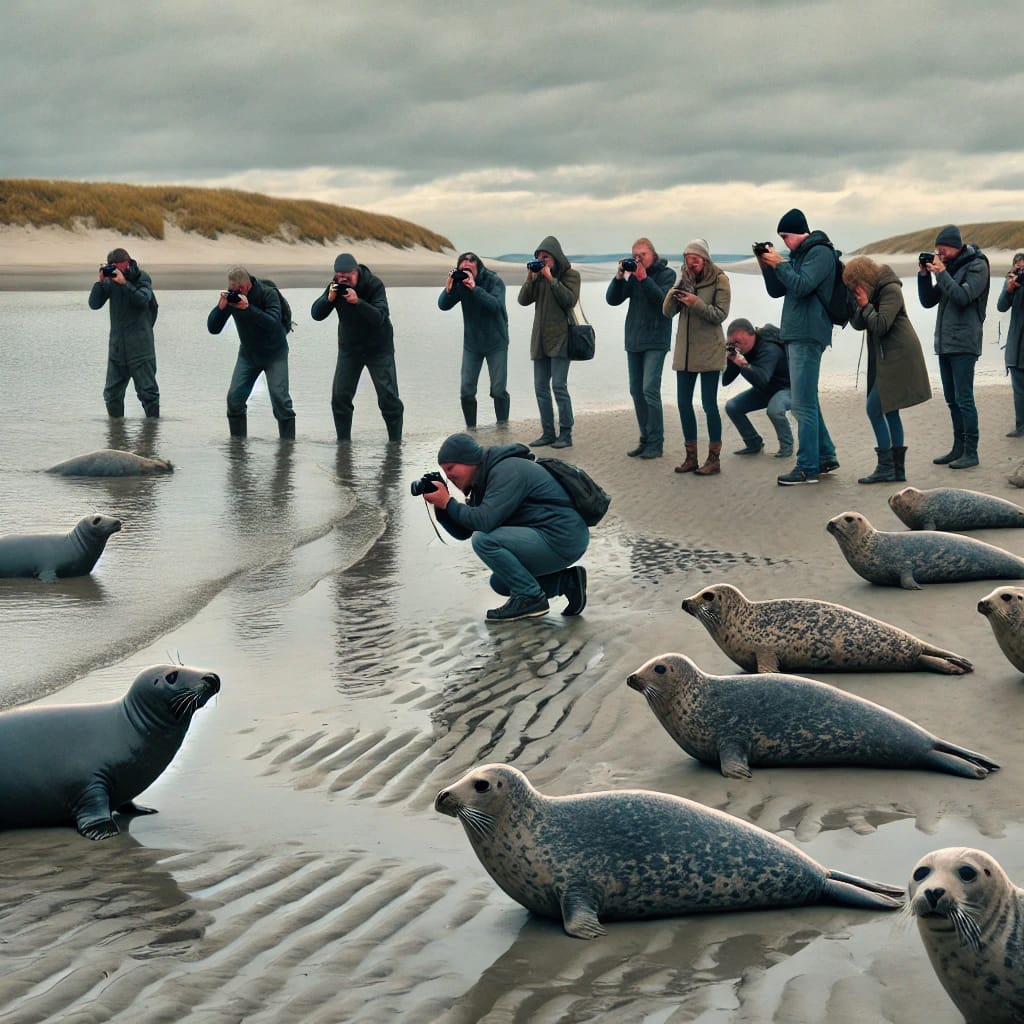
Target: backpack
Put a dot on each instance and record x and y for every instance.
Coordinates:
(587, 496)
(837, 306)
(286, 310)
(154, 308)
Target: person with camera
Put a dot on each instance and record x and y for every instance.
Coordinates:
(643, 279)
(552, 287)
(366, 340)
(759, 357)
(960, 290)
(804, 283)
(1012, 298)
(520, 521)
(481, 293)
(131, 352)
(263, 348)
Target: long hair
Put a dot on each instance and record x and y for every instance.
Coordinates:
(862, 270)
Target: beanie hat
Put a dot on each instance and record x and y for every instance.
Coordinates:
(345, 262)
(698, 247)
(118, 256)
(793, 223)
(950, 235)
(740, 324)
(460, 448)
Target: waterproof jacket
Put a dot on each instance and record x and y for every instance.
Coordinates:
(700, 340)
(552, 301)
(260, 331)
(511, 489)
(131, 323)
(804, 283)
(961, 293)
(1014, 353)
(895, 360)
(364, 327)
(767, 367)
(484, 316)
(646, 329)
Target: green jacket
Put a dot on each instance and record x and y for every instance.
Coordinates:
(700, 340)
(131, 323)
(552, 301)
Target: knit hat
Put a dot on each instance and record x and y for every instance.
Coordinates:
(793, 223)
(950, 235)
(740, 324)
(460, 448)
(698, 247)
(344, 262)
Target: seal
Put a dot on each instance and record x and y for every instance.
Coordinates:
(800, 634)
(769, 720)
(52, 556)
(78, 763)
(910, 559)
(1004, 609)
(971, 920)
(635, 854)
(949, 508)
(111, 462)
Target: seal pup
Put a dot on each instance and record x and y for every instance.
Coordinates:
(971, 920)
(769, 720)
(78, 763)
(793, 634)
(635, 854)
(111, 462)
(926, 556)
(949, 508)
(1004, 609)
(52, 556)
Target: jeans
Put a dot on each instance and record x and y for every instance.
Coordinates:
(497, 370)
(888, 427)
(551, 374)
(685, 383)
(957, 375)
(815, 444)
(518, 556)
(752, 400)
(1017, 380)
(143, 374)
(645, 390)
(381, 366)
(247, 369)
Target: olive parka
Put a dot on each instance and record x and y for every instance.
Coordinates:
(553, 302)
(700, 339)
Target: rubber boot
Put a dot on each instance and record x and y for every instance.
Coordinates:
(969, 457)
(115, 410)
(394, 429)
(238, 425)
(286, 429)
(899, 458)
(153, 411)
(343, 425)
(713, 463)
(885, 471)
(502, 406)
(952, 455)
(690, 464)
(564, 440)
(469, 412)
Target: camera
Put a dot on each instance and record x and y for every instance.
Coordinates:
(535, 266)
(629, 264)
(760, 248)
(232, 295)
(730, 347)
(1019, 275)
(926, 257)
(458, 275)
(426, 484)
(340, 289)
(109, 269)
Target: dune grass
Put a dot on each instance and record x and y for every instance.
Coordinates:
(143, 211)
(997, 234)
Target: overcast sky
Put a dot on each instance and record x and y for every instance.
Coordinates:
(498, 123)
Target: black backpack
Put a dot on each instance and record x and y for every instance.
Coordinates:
(587, 496)
(154, 308)
(837, 306)
(286, 310)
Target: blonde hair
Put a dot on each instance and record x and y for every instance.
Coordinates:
(862, 270)
(648, 243)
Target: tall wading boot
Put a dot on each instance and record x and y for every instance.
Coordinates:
(153, 411)
(286, 429)
(115, 410)
(343, 425)
(690, 464)
(502, 406)
(469, 412)
(712, 464)
(953, 454)
(394, 426)
(969, 457)
(238, 425)
(899, 459)
(885, 471)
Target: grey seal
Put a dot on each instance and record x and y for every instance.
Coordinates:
(909, 559)
(971, 920)
(111, 462)
(794, 634)
(633, 854)
(769, 720)
(78, 763)
(949, 508)
(1004, 609)
(51, 556)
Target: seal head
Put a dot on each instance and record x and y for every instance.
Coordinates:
(1004, 609)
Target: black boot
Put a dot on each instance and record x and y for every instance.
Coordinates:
(564, 440)
(343, 425)
(153, 411)
(286, 429)
(899, 458)
(394, 429)
(469, 412)
(238, 425)
(953, 454)
(969, 457)
(885, 472)
(640, 446)
(115, 410)
(502, 404)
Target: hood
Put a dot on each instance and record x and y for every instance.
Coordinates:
(813, 239)
(886, 276)
(493, 454)
(479, 262)
(553, 246)
(769, 333)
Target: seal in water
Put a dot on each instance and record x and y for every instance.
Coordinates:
(51, 556)
(81, 762)
(910, 559)
(111, 462)
(794, 634)
(1004, 609)
(634, 854)
(971, 920)
(770, 720)
(948, 508)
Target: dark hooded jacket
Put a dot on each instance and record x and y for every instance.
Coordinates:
(553, 301)
(131, 323)
(961, 293)
(260, 331)
(365, 327)
(484, 316)
(767, 368)
(646, 329)
(804, 283)
(1015, 335)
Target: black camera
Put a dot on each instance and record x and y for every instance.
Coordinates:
(231, 296)
(760, 248)
(426, 484)
(109, 269)
(730, 347)
(340, 289)
(926, 257)
(535, 266)
(629, 263)
(1019, 275)
(459, 275)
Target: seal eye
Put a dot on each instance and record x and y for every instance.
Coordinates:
(922, 873)
(95, 520)
(1006, 597)
(172, 677)
(707, 596)
(967, 873)
(849, 519)
(660, 669)
(481, 785)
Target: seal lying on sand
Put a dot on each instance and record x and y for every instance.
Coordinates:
(81, 762)
(910, 559)
(634, 854)
(971, 919)
(739, 722)
(793, 634)
(1004, 609)
(111, 462)
(948, 508)
(51, 556)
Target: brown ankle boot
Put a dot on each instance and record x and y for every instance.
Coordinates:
(691, 462)
(712, 464)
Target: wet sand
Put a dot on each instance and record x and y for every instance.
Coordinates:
(298, 872)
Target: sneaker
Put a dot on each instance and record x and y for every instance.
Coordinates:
(750, 448)
(519, 606)
(785, 452)
(562, 441)
(797, 476)
(829, 465)
(543, 441)
(575, 590)
(651, 453)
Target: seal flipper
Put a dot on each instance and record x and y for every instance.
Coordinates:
(853, 891)
(579, 913)
(907, 581)
(948, 757)
(935, 659)
(131, 807)
(92, 813)
(97, 828)
(732, 760)
(767, 661)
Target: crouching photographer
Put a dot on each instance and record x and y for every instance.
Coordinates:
(521, 523)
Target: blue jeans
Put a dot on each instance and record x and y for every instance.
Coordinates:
(957, 375)
(815, 444)
(551, 374)
(752, 400)
(645, 390)
(497, 370)
(247, 369)
(888, 427)
(686, 381)
(522, 561)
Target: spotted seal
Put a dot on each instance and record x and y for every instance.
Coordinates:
(926, 556)
(51, 556)
(634, 854)
(949, 508)
(769, 720)
(81, 762)
(971, 920)
(1004, 609)
(794, 634)
(111, 462)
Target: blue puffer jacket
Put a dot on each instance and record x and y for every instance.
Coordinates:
(961, 293)
(804, 283)
(646, 329)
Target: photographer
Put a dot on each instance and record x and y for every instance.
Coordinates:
(365, 339)
(263, 348)
(760, 358)
(1012, 298)
(481, 293)
(522, 524)
(131, 353)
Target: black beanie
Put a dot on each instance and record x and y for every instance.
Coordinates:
(460, 448)
(793, 223)
(950, 235)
